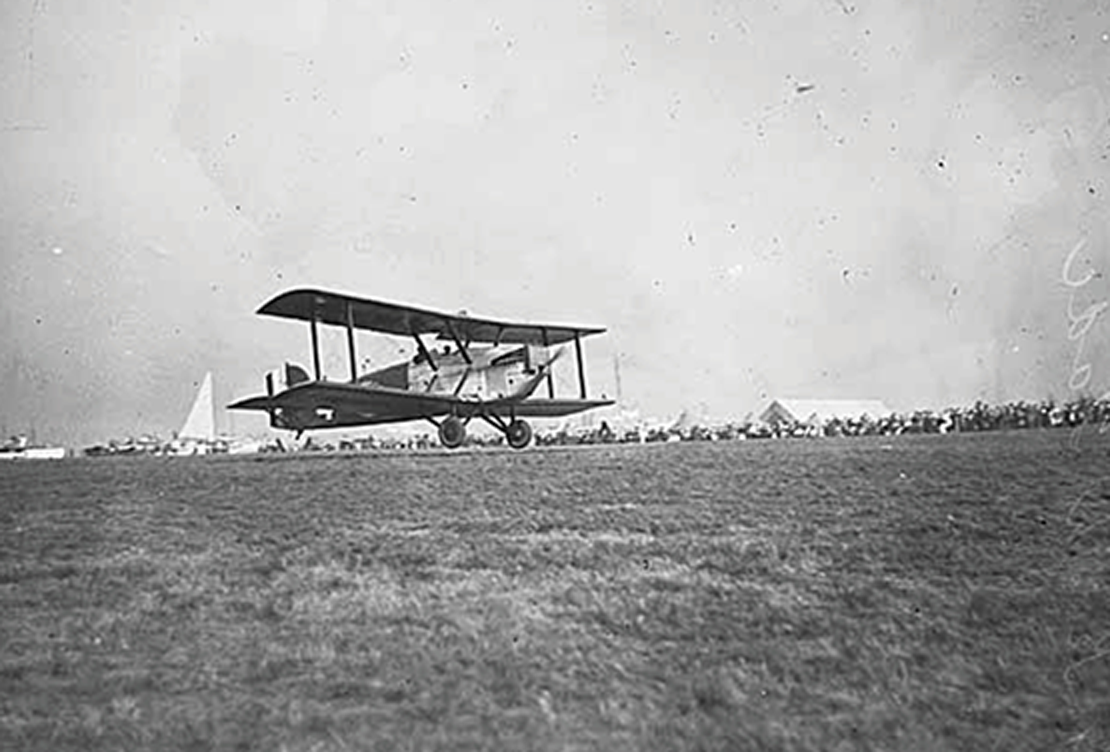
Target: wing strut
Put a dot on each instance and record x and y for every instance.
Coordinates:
(581, 369)
(315, 344)
(351, 341)
(424, 352)
(550, 381)
(458, 342)
(462, 380)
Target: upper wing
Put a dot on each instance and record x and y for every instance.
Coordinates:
(391, 318)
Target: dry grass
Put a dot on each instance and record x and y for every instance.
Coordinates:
(931, 593)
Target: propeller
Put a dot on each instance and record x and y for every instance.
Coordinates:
(525, 390)
(550, 361)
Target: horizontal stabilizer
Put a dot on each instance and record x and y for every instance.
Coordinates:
(251, 403)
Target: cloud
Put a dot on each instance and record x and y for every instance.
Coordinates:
(895, 231)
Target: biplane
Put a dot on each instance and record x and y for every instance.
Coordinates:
(491, 374)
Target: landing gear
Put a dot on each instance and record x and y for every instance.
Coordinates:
(518, 434)
(452, 432)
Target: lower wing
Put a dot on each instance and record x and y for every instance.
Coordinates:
(326, 405)
(546, 408)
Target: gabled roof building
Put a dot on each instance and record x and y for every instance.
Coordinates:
(816, 412)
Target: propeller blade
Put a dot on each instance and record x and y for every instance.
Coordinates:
(558, 354)
(528, 387)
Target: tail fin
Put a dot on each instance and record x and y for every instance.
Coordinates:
(294, 375)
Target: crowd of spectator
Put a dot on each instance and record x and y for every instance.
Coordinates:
(980, 416)
(977, 417)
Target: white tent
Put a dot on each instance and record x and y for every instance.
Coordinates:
(815, 412)
(201, 423)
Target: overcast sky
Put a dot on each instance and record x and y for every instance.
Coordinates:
(818, 198)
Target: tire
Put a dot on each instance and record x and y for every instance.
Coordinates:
(452, 433)
(518, 434)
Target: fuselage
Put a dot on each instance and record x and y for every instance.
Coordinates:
(493, 372)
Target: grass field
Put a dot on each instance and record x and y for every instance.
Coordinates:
(924, 593)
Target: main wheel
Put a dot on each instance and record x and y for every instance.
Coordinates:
(518, 434)
(452, 432)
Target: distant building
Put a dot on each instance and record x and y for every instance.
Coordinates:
(19, 447)
(816, 412)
